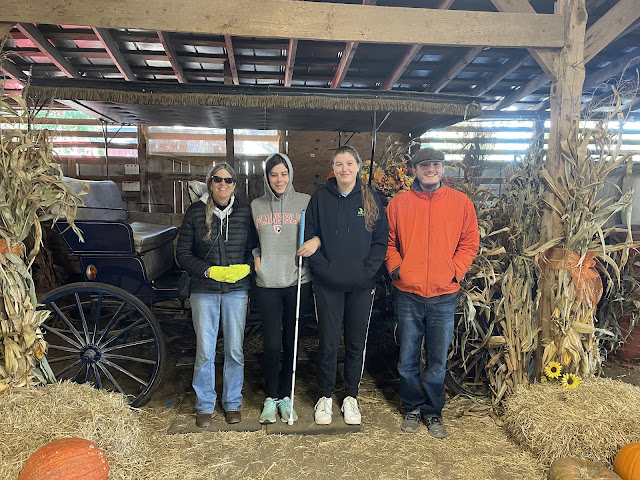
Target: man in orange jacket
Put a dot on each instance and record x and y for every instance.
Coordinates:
(433, 238)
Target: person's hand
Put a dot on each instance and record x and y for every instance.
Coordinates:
(217, 273)
(256, 263)
(237, 272)
(309, 247)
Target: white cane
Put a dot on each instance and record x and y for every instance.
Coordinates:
(295, 335)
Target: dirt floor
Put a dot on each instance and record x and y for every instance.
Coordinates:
(160, 440)
(476, 447)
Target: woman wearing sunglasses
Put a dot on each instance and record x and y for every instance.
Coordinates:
(277, 218)
(214, 246)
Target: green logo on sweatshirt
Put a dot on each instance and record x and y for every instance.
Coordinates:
(361, 212)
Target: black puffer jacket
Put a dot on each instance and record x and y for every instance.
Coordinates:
(191, 250)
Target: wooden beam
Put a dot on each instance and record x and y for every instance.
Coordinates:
(401, 67)
(31, 31)
(544, 58)
(110, 45)
(535, 84)
(566, 93)
(10, 68)
(604, 30)
(444, 4)
(345, 62)
(347, 57)
(232, 59)
(313, 21)
(409, 56)
(165, 39)
(510, 66)
(291, 58)
(454, 70)
(143, 162)
(612, 70)
(621, 16)
(5, 28)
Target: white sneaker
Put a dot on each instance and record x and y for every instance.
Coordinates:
(351, 411)
(323, 411)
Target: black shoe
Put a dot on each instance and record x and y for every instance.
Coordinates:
(232, 416)
(435, 427)
(204, 420)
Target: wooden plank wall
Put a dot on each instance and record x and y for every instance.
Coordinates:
(311, 154)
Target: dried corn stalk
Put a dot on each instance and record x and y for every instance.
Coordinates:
(31, 191)
(583, 251)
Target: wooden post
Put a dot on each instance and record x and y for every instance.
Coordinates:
(231, 153)
(143, 162)
(566, 93)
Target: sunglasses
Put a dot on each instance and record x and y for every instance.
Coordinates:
(227, 180)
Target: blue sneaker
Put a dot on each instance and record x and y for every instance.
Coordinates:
(286, 410)
(268, 414)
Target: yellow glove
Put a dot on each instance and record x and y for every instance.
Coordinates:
(237, 272)
(218, 273)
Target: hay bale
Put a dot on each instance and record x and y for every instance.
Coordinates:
(592, 421)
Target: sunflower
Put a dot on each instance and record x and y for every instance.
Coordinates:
(571, 380)
(553, 370)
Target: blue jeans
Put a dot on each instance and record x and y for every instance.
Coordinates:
(209, 310)
(434, 323)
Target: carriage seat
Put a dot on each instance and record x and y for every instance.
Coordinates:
(152, 242)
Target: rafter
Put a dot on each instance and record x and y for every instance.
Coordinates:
(454, 70)
(291, 58)
(510, 66)
(409, 56)
(612, 70)
(10, 69)
(345, 62)
(401, 67)
(347, 57)
(169, 49)
(620, 17)
(535, 84)
(31, 31)
(609, 27)
(323, 21)
(544, 58)
(110, 45)
(232, 60)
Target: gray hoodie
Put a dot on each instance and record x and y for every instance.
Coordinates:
(277, 221)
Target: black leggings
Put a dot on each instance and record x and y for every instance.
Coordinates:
(277, 308)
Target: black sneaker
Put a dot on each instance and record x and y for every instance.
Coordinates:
(435, 427)
(411, 422)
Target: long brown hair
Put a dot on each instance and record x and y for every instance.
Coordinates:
(371, 210)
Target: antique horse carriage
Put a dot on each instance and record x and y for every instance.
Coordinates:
(104, 329)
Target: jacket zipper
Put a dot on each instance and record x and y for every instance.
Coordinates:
(430, 196)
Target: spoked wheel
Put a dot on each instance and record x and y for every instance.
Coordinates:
(103, 335)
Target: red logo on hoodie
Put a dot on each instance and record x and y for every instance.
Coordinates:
(277, 228)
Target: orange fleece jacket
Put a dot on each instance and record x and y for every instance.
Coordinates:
(433, 238)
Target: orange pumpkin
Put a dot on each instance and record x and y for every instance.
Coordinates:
(66, 459)
(579, 469)
(627, 462)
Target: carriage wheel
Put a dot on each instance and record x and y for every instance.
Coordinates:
(103, 335)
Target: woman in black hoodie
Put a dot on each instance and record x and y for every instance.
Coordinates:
(350, 223)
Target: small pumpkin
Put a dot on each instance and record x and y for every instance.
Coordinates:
(627, 462)
(579, 469)
(66, 459)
